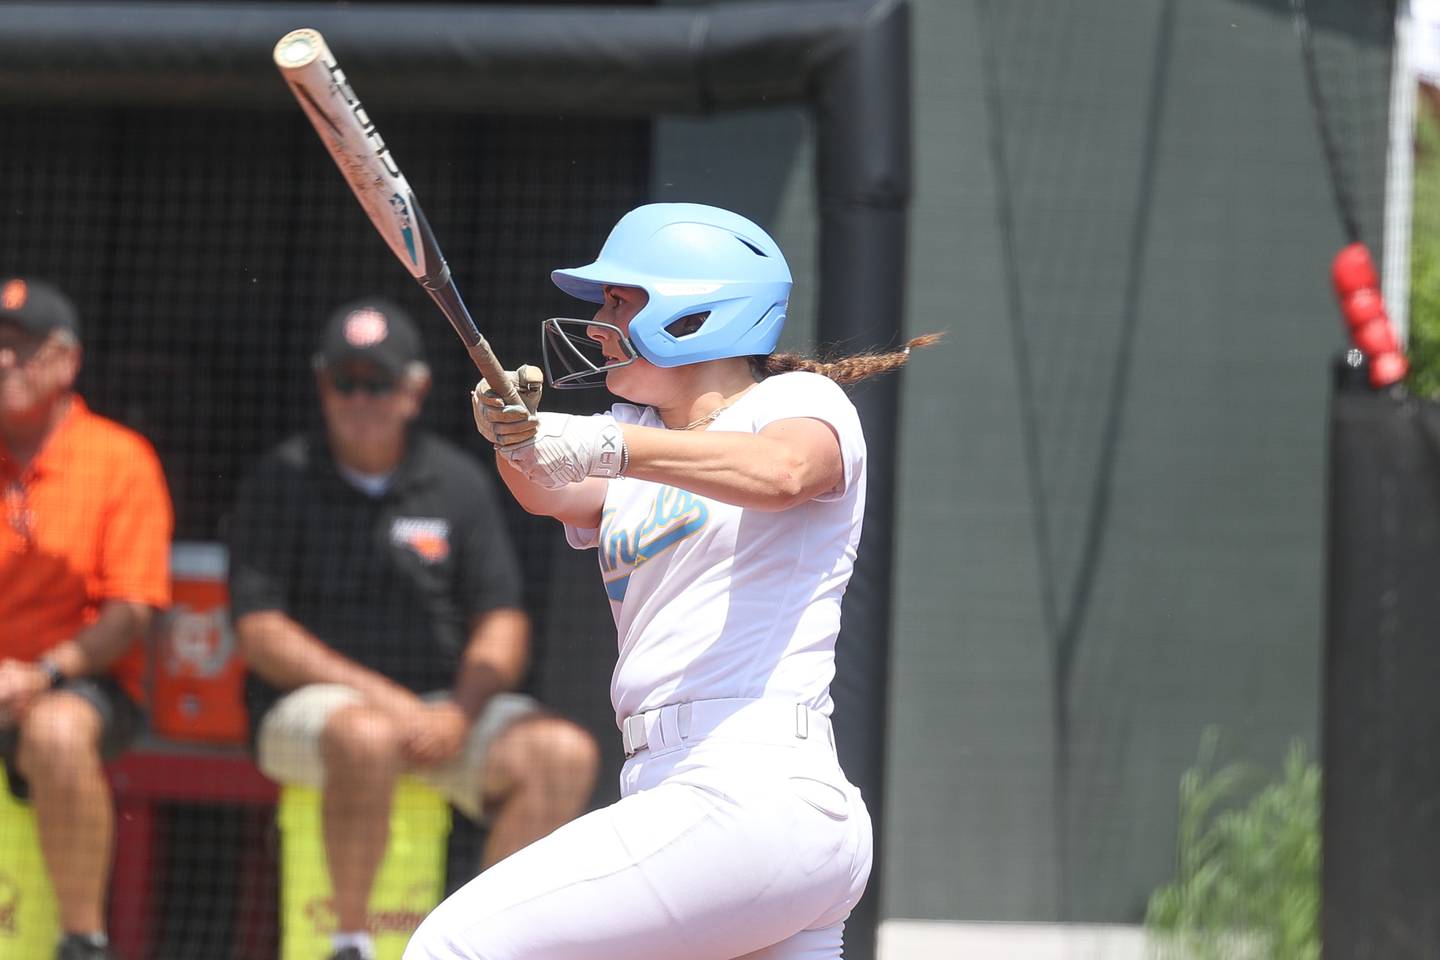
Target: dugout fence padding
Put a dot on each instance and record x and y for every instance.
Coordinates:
(1381, 875)
(138, 70)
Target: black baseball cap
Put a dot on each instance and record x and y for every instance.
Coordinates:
(372, 329)
(38, 307)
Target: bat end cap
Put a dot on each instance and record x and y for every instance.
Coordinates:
(299, 48)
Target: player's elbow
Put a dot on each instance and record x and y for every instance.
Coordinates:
(785, 487)
(789, 489)
(794, 479)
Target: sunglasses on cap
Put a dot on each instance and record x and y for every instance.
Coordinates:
(374, 386)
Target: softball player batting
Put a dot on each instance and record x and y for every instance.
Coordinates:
(725, 504)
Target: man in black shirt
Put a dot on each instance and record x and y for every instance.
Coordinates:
(377, 604)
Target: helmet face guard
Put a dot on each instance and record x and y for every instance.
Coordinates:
(567, 347)
(716, 271)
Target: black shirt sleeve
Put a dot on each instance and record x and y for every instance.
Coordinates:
(488, 572)
(262, 528)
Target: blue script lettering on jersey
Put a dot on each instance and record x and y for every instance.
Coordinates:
(677, 514)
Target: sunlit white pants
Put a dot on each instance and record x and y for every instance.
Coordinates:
(735, 838)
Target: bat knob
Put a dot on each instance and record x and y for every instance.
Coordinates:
(298, 47)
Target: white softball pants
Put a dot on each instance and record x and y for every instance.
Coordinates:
(736, 836)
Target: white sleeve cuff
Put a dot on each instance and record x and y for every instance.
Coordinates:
(582, 538)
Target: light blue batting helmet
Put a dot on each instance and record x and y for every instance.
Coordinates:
(691, 259)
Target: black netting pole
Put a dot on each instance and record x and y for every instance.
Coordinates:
(863, 155)
(1381, 824)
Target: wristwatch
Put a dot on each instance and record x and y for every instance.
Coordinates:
(52, 673)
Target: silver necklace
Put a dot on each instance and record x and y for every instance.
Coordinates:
(707, 418)
(701, 421)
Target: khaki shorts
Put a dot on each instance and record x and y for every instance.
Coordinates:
(288, 742)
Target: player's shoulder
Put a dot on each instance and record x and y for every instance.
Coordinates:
(802, 384)
(800, 380)
(800, 393)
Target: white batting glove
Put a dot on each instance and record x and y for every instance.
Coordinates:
(567, 449)
(506, 425)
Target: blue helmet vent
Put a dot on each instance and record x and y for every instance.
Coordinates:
(753, 249)
(687, 326)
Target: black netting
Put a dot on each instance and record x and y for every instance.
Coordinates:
(1133, 200)
(1346, 57)
(205, 249)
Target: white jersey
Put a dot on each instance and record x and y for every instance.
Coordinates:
(714, 601)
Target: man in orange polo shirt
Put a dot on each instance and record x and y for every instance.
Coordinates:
(84, 550)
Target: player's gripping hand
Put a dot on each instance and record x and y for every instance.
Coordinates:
(508, 425)
(567, 449)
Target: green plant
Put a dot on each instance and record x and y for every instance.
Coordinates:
(1248, 877)
(1424, 334)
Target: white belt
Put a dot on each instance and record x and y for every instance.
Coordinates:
(755, 721)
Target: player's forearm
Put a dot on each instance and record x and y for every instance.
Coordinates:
(748, 470)
(286, 655)
(119, 624)
(578, 504)
(494, 660)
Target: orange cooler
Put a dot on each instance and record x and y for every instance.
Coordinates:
(197, 683)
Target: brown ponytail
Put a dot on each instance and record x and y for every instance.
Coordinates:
(843, 370)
